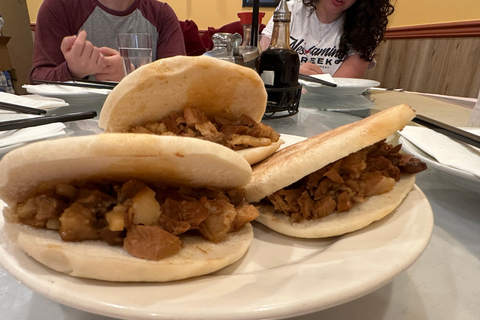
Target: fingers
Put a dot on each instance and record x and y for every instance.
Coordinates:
(82, 57)
(106, 51)
(79, 44)
(98, 58)
(67, 43)
(114, 69)
(310, 68)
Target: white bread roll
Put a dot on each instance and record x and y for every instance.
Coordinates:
(176, 161)
(299, 160)
(338, 223)
(98, 260)
(169, 85)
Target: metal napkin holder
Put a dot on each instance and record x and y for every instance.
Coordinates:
(282, 102)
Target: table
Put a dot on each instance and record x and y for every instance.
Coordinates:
(444, 283)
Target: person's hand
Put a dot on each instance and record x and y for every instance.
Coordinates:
(114, 69)
(82, 57)
(310, 68)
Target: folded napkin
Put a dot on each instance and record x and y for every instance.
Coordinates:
(444, 149)
(34, 101)
(55, 89)
(11, 138)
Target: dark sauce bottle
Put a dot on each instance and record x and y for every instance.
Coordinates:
(279, 64)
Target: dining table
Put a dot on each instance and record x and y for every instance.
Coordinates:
(441, 280)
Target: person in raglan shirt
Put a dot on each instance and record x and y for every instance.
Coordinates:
(77, 38)
(337, 37)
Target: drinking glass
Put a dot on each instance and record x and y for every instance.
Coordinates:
(135, 49)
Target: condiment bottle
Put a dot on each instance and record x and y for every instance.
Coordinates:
(246, 21)
(222, 47)
(279, 65)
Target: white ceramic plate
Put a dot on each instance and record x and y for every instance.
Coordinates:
(457, 176)
(345, 86)
(279, 276)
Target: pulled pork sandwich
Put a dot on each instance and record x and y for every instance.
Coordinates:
(336, 182)
(128, 207)
(200, 97)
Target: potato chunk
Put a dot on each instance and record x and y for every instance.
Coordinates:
(116, 218)
(145, 209)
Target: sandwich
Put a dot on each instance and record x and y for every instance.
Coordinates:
(336, 182)
(200, 97)
(128, 207)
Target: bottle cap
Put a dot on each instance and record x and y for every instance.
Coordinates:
(282, 13)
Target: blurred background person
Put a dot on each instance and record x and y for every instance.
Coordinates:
(337, 37)
(77, 38)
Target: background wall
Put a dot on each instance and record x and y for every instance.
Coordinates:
(443, 65)
(215, 13)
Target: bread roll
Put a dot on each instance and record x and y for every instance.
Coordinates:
(175, 161)
(294, 162)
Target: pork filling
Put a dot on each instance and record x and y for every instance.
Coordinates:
(340, 185)
(237, 134)
(146, 220)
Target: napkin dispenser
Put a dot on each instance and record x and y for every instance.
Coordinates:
(227, 46)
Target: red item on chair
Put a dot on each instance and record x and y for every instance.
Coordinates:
(246, 17)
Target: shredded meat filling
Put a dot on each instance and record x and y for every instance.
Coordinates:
(145, 219)
(338, 186)
(237, 134)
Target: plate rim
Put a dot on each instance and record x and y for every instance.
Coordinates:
(340, 89)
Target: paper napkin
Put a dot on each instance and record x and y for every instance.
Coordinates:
(445, 150)
(14, 137)
(34, 101)
(54, 89)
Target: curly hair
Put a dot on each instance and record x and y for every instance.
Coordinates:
(365, 25)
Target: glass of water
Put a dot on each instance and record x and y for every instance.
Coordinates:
(135, 49)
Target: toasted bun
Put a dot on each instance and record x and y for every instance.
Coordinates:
(257, 154)
(168, 85)
(297, 161)
(336, 223)
(98, 260)
(176, 161)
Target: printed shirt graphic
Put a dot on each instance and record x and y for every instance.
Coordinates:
(315, 42)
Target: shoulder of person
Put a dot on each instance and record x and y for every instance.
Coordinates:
(295, 5)
(65, 9)
(297, 8)
(53, 4)
(156, 9)
(154, 3)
